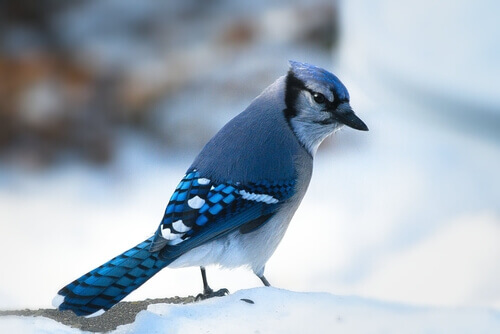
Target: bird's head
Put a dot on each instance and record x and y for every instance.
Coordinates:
(317, 104)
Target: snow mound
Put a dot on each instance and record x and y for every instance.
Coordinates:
(34, 325)
(281, 311)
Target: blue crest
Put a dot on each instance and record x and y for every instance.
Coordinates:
(307, 73)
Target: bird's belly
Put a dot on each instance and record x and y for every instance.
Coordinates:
(252, 249)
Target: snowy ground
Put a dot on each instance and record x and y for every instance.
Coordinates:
(281, 311)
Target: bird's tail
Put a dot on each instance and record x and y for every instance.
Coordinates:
(103, 287)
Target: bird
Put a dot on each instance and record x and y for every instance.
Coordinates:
(235, 202)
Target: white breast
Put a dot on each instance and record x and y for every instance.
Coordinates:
(235, 250)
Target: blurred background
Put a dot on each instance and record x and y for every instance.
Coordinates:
(104, 104)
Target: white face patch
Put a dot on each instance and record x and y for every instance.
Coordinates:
(95, 314)
(167, 234)
(202, 181)
(180, 227)
(195, 203)
(258, 197)
(312, 124)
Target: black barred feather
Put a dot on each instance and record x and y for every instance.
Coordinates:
(109, 283)
(226, 207)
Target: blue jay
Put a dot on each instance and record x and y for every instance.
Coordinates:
(235, 202)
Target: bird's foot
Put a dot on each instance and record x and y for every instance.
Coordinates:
(209, 293)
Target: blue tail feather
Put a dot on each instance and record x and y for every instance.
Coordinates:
(109, 283)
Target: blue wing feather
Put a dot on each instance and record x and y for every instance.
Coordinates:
(218, 210)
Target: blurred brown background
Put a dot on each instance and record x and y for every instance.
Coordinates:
(75, 74)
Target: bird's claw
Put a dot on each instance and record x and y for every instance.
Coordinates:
(210, 293)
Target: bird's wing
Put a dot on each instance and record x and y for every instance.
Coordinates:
(201, 210)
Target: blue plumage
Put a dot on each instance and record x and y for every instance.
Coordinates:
(307, 72)
(109, 283)
(223, 211)
(206, 210)
(235, 202)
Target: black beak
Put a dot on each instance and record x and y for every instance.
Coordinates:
(344, 114)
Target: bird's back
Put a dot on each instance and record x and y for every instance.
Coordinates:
(256, 145)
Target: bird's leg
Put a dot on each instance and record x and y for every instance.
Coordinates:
(264, 280)
(207, 290)
(266, 283)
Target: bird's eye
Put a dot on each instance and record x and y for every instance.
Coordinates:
(319, 98)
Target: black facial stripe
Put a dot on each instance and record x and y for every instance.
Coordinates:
(327, 102)
(325, 121)
(293, 87)
(329, 106)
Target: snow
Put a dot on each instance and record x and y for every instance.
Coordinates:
(281, 311)
(34, 325)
